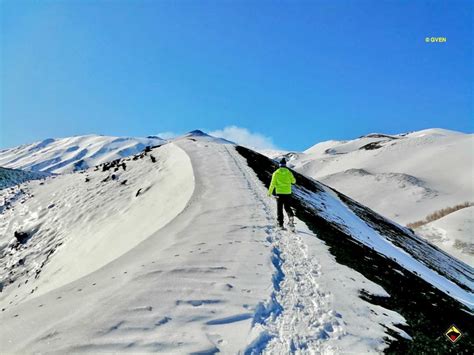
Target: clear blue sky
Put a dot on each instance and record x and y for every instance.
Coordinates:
(297, 71)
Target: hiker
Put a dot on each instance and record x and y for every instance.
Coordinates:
(282, 179)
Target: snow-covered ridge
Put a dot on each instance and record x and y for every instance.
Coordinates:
(70, 210)
(69, 154)
(73, 153)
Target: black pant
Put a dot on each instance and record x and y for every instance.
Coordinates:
(283, 201)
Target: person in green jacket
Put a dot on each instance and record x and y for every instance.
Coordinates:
(282, 179)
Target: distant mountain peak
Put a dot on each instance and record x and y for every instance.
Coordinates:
(197, 133)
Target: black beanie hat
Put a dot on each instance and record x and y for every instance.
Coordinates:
(283, 162)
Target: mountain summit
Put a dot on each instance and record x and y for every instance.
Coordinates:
(203, 135)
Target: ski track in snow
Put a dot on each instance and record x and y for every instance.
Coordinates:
(298, 315)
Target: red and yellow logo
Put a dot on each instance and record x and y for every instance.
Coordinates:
(453, 334)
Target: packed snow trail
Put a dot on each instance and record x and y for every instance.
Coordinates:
(298, 315)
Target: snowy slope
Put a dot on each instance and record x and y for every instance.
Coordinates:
(403, 177)
(10, 177)
(178, 253)
(435, 165)
(453, 233)
(73, 153)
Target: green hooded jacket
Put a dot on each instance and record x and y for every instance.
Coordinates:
(282, 179)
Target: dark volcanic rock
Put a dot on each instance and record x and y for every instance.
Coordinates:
(371, 146)
(21, 237)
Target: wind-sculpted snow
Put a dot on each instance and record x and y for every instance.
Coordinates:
(91, 218)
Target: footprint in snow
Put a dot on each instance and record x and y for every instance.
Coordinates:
(162, 321)
(197, 303)
(144, 308)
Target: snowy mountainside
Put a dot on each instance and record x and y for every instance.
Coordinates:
(453, 233)
(73, 153)
(423, 160)
(10, 177)
(404, 177)
(177, 252)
